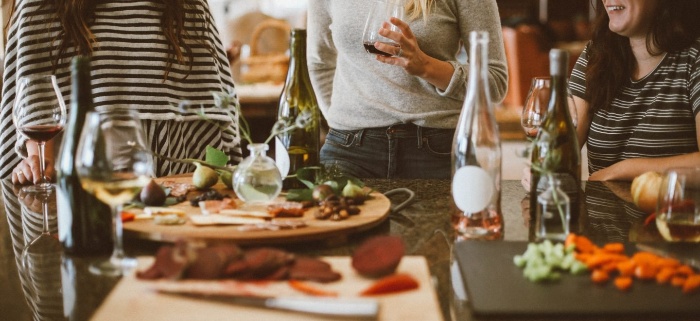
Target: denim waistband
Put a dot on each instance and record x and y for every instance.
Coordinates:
(401, 130)
(396, 131)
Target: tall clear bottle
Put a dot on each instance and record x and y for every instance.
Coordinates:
(84, 223)
(300, 147)
(476, 154)
(556, 150)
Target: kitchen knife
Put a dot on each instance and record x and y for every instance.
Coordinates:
(694, 262)
(339, 308)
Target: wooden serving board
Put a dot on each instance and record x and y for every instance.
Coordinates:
(372, 213)
(134, 299)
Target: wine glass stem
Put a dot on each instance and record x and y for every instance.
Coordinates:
(45, 210)
(42, 164)
(118, 252)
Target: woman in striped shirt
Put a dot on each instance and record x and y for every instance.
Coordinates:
(147, 56)
(637, 88)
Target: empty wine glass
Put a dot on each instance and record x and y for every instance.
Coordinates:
(535, 107)
(113, 164)
(381, 12)
(39, 113)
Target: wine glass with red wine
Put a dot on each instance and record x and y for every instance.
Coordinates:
(381, 11)
(39, 113)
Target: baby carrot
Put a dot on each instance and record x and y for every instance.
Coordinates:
(691, 284)
(600, 276)
(614, 247)
(623, 283)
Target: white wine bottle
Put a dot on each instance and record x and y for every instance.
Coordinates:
(556, 150)
(476, 154)
(84, 223)
(299, 147)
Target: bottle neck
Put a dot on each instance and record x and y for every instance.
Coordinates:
(478, 65)
(81, 89)
(558, 67)
(257, 149)
(297, 62)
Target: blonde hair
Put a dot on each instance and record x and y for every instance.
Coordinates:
(417, 8)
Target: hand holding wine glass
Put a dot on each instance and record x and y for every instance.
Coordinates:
(381, 12)
(39, 113)
(113, 164)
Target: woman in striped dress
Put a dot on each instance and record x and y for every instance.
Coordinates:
(637, 88)
(147, 56)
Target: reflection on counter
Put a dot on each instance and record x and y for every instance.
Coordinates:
(38, 266)
(612, 217)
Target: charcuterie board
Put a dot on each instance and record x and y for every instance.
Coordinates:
(372, 213)
(134, 299)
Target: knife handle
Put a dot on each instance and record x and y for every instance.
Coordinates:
(366, 309)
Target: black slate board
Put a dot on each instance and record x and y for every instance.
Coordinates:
(495, 286)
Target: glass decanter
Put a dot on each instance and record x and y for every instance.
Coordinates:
(257, 178)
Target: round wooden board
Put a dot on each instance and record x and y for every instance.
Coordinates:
(373, 212)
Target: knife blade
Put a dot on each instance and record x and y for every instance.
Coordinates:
(666, 253)
(366, 309)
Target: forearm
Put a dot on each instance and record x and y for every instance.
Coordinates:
(437, 72)
(628, 169)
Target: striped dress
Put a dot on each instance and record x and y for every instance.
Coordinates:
(129, 71)
(650, 117)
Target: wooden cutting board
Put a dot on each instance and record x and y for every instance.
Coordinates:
(134, 299)
(373, 212)
(495, 286)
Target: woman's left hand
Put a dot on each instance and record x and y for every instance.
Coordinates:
(408, 55)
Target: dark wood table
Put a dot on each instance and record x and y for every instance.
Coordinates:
(424, 225)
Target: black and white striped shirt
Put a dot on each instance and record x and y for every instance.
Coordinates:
(129, 71)
(651, 117)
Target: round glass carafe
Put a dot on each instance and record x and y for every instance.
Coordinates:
(257, 178)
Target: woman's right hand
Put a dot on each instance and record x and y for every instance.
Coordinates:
(28, 171)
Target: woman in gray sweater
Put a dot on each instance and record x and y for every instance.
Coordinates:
(394, 117)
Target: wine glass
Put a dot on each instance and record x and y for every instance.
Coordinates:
(572, 108)
(381, 11)
(39, 113)
(678, 210)
(535, 107)
(113, 164)
(41, 257)
(32, 203)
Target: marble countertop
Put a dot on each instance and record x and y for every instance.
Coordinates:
(424, 225)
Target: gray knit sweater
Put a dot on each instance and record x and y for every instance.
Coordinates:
(357, 91)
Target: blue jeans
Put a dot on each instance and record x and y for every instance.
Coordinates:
(397, 151)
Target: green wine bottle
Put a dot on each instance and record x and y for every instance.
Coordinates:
(84, 223)
(299, 147)
(556, 149)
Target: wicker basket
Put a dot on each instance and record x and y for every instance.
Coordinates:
(268, 67)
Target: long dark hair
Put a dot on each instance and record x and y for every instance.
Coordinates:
(610, 59)
(76, 17)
